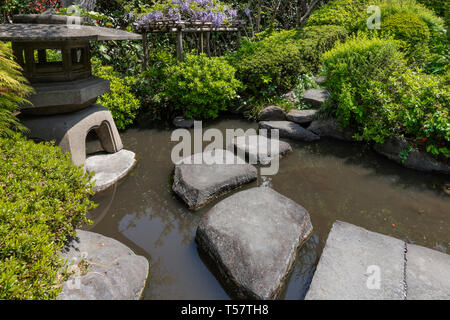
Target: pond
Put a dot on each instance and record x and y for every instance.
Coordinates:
(333, 180)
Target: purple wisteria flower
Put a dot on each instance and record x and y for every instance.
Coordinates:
(190, 10)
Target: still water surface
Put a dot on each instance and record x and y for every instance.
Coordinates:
(333, 180)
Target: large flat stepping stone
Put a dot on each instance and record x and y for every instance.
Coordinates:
(253, 236)
(105, 269)
(315, 97)
(290, 130)
(197, 184)
(272, 112)
(427, 274)
(109, 168)
(301, 116)
(345, 266)
(329, 128)
(258, 148)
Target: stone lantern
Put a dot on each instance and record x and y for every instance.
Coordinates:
(63, 106)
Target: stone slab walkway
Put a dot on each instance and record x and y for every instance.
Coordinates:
(364, 265)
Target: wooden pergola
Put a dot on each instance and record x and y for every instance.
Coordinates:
(182, 27)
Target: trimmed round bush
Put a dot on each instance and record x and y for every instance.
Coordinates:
(407, 27)
(43, 198)
(375, 93)
(273, 64)
(201, 87)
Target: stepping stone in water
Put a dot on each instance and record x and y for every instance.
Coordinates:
(253, 236)
(109, 168)
(344, 267)
(288, 129)
(197, 184)
(114, 271)
(301, 116)
(180, 122)
(272, 112)
(427, 274)
(330, 128)
(316, 97)
(258, 148)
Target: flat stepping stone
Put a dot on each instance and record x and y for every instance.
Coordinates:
(105, 269)
(316, 97)
(253, 236)
(257, 148)
(290, 130)
(109, 168)
(181, 122)
(197, 184)
(427, 274)
(272, 112)
(344, 267)
(301, 116)
(330, 128)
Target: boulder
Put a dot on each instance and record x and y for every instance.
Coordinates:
(253, 236)
(288, 129)
(183, 123)
(292, 97)
(315, 97)
(320, 80)
(301, 116)
(109, 168)
(351, 255)
(258, 148)
(330, 128)
(272, 112)
(427, 274)
(416, 159)
(198, 182)
(104, 269)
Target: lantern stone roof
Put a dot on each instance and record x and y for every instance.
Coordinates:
(58, 28)
(61, 32)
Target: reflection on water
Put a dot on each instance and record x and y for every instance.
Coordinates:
(333, 180)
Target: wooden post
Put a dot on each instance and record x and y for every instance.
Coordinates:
(201, 43)
(208, 43)
(145, 49)
(239, 40)
(42, 56)
(180, 44)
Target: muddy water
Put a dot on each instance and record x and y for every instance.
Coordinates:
(333, 180)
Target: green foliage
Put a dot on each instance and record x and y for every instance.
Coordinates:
(13, 90)
(273, 64)
(345, 13)
(200, 86)
(120, 101)
(407, 27)
(43, 198)
(373, 91)
(440, 7)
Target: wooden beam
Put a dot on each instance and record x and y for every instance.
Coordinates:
(145, 49)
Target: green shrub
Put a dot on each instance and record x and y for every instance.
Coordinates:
(434, 23)
(13, 91)
(43, 197)
(273, 64)
(120, 101)
(374, 92)
(200, 86)
(440, 7)
(345, 13)
(407, 27)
